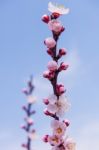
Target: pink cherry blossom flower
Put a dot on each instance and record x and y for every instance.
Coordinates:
(55, 8)
(50, 42)
(52, 65)
(55, 26)
(59, 128)
(54, 140)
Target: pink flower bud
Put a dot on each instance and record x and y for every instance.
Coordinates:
(24, 145)
(50, 42)
(45, 138)
(62, 51)
(52, 65)
(66, 122)
(60, 89)
(63, 66)
(29, 121)
(46, 74)
(45, 18)
(55, 15)
(62, 29)
(50, 52)
(46, 101)
(49, 74)
(55, 26)
(23, 127)
(47, 113)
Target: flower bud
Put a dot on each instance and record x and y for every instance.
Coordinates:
(62, 29)
(46, 101)
(50, 42)
(24, 145)
(50, 52)
(62, 52)
(63, 66)
(52, 65)
(45, 18)
(47, 113)
(55, 15)
(60, 89)
(45, 138)
(66, 122)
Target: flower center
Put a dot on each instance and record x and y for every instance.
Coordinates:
(59, 130)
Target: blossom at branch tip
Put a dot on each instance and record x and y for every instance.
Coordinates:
(59, 128)
(55, 8)
(52, 65)
(55, 25)
(50, 42)
(59, 106)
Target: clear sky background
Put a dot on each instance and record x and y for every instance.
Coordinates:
(22, 53)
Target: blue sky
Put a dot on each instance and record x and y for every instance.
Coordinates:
(22, 53)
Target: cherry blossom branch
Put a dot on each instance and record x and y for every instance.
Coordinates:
(31, 133)
(57, 103)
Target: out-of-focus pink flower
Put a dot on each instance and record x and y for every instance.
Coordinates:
(45, 18)
(54, 140)
(55, 26)
(59, 128)
(52, 65)
(29, 121)
(50, 42)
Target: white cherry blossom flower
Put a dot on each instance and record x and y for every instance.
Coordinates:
(55, 8)
(59, 128)
(59, 106)
(54, 140)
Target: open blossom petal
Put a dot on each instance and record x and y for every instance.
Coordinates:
(55, 8)
(52, 108)
(54, 140)
(52, 99)
(59, 128)
(70, 144)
